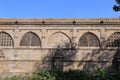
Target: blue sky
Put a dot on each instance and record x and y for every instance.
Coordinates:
(57, 9)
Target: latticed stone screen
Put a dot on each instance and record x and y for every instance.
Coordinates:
(88, 39)
(114, 40)
(30, 39)
(5, 39)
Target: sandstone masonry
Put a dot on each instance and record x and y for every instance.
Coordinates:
(30, 44)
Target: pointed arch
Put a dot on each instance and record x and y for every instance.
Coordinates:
(6, 39)
(30, 39)
(89, 39)
(59, 40)
(114, 40)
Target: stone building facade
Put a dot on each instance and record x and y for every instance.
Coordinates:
(30, 44)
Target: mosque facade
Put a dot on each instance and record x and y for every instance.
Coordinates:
(27, 45)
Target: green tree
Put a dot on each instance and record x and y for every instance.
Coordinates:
(116, 7)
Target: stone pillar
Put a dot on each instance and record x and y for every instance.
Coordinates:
(102, 37)
(16, 36)
(43, 38)
(74, 36)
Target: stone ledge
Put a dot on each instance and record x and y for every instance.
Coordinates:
(58, 21)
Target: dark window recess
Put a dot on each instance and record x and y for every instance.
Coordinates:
(5, 39)
(30, 39)
(88, 40)
(114, 40)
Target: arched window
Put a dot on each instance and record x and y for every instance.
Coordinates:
(59, 40)
(114, 40)
(88, 39)
(5, 39)
(30, 39)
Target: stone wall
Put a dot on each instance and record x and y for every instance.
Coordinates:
(48, 39)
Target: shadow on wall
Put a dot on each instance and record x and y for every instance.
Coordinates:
(63, 56)
(105, 57)
(59, 57)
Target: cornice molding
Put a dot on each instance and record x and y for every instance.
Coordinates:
(59, 21)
